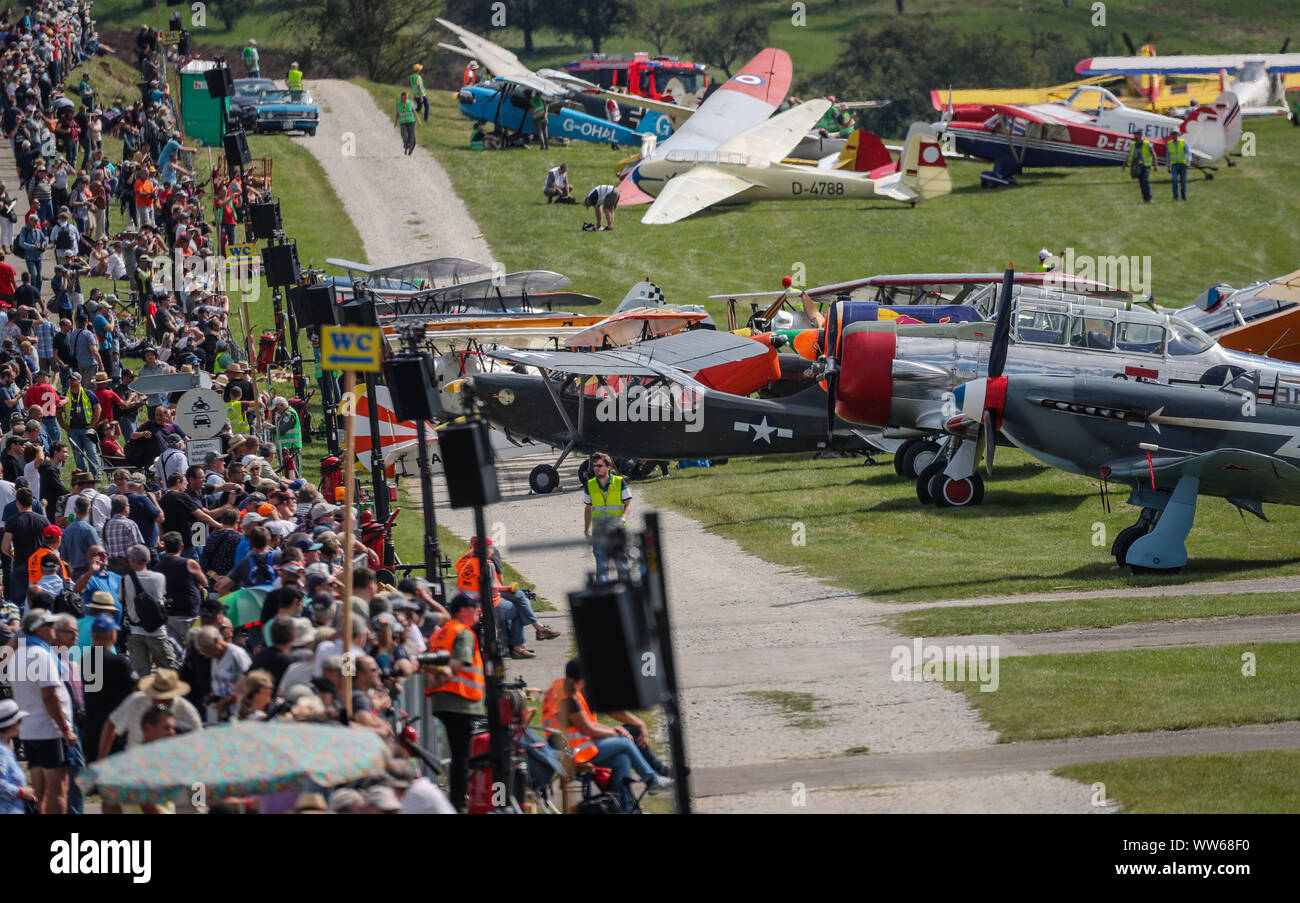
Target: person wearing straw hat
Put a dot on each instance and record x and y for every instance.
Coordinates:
(418, 93)
(15, 794)
(238, 373)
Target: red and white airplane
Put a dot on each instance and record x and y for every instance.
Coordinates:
(1260, 80)
(1091, 128)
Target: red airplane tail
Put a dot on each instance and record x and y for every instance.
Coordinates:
(864, 152)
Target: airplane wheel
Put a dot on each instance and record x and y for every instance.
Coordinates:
(900, 456)
(543, 479)
(584, 471)
(923, 494)
(1126, 538)
(1158, 572)
(921, 456)
(963, 493)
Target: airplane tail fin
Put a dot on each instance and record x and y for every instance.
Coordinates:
(1212, 130)
(924, 171)
(863, 153)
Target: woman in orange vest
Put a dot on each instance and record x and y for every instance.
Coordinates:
(565, 708)
(458, 699)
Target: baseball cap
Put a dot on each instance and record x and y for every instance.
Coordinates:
(51, 532)
(103, 624)
(212, 457)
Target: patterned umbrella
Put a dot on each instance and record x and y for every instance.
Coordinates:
(242, 759)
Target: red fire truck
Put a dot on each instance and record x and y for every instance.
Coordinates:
(658, 78)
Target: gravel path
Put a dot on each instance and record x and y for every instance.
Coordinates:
(404, 207)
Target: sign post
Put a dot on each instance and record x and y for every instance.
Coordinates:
(350, 349)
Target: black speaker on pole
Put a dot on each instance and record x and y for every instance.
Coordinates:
(265, 219)
(620, 657)
(280, 263)
(220, 82)
(314, 305)
(236, 144)
(360, 312)
(467, 463)
(413, 385)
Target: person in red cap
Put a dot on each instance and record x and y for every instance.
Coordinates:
(45, 568)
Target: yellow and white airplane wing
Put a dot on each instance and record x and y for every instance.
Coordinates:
(754, 149)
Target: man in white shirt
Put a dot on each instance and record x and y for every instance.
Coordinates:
(172, 460)
(229, 664)
(101, 506)
(47, 732)
(604, 198)
(557, 187)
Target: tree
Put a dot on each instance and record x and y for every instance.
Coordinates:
(230, 11)
(592, 20)
(481, 17)
(661, 23)
(378, 38)
(731, 38)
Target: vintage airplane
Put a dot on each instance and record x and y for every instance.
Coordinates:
(899, 378)
(663, 399)
(504, 100)
(404, 279)
(1237, 438)
(1262, 318)
(1013, 137)
(1260, 80)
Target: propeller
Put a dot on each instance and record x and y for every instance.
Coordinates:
(983, 399)
(1285, 44)
(1128, 42)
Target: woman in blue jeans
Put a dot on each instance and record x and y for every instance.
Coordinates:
(616, 748)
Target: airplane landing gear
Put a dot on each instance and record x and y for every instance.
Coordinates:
(934, 469)
(915, 456)
(961, 493)
(543, 479)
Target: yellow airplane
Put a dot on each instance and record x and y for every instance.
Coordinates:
(1149, 91)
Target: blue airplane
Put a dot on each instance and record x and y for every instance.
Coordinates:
(504, 101)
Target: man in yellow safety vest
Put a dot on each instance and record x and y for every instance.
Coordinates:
(1176, 153)
(607, 499)
(293, 81)
(417, 90)
(1141, 160)
(405, 118)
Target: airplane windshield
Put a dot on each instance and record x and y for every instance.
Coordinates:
(664, 77)
(1185, 339)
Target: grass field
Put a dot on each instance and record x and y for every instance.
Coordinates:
(1247, 782)
(1076, 614)
(1045, 697)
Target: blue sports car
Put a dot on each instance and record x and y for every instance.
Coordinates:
(285, 111)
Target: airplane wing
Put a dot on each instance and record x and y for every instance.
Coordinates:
(1233, 473)
(774, 138)
(631, 325)
(1189, 64)
(746, 99)
(496, 58)
(694, 190)
(535, 82)
(677, 111)
(671, 356)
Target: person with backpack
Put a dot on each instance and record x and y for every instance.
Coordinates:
(76, 415)
(66, 237)
(31, 242)
(143, 592)
(257, 568)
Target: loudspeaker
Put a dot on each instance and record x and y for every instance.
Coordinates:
(237, 154)
(360, 312)
(280, 263)
(615, 646)
(220, 82)
(467, 463)
(314, 305)
(265, 219)
(413, 386)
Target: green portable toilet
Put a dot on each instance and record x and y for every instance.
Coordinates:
(201, 115)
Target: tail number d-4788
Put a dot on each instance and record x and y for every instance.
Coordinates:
(798, 188)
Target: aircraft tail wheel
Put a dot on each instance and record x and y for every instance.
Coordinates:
(543, 479)
(900, 456)
(923, 494)
(964, 493)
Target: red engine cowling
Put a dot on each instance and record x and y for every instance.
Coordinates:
(865, 386)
